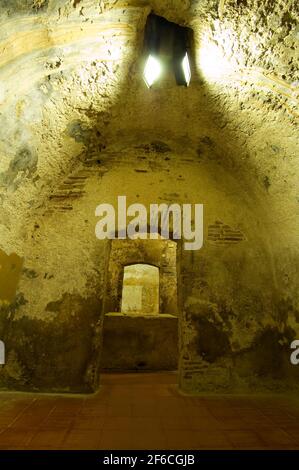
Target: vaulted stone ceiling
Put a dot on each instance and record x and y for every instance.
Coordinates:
(72, 98)
(71, 81)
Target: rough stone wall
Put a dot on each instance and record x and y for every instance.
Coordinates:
(78, 124)
(63, 284)
(140, 343)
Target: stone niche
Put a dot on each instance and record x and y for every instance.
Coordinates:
(140, 330)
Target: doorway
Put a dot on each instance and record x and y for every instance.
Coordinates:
(141, 320)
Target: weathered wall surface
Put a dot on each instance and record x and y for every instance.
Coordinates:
(11, 266)
(219, 286)
(140, 344)
(78, 127)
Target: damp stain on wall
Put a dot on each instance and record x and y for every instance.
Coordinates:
(10, 271)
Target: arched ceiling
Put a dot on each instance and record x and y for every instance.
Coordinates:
(71, 88)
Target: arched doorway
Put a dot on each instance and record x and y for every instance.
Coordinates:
(141, 318)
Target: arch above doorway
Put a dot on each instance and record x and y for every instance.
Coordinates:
(161, 254)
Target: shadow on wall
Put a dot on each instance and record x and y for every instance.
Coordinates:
(10, 271)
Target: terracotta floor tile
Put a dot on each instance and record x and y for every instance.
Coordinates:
(92, 412)
(197, 440)
(15, 439)
(88, 423)
(245, 439)
(118, 410)
(113, 440)
(210, 440)
(29, 420)
(165, 410)
(133, 439)
(68, 409)
(146, 411)
(198, 409)
(281, 418)
(232, 424)
(276, 438)
(120, 423)
(56, 422)
(47, 439)
(176, 423)
(201, 423)
(149, 439)
(6, 420)
(81, 440)
(292, 431)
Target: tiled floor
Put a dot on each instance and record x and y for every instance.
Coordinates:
(145, 411)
